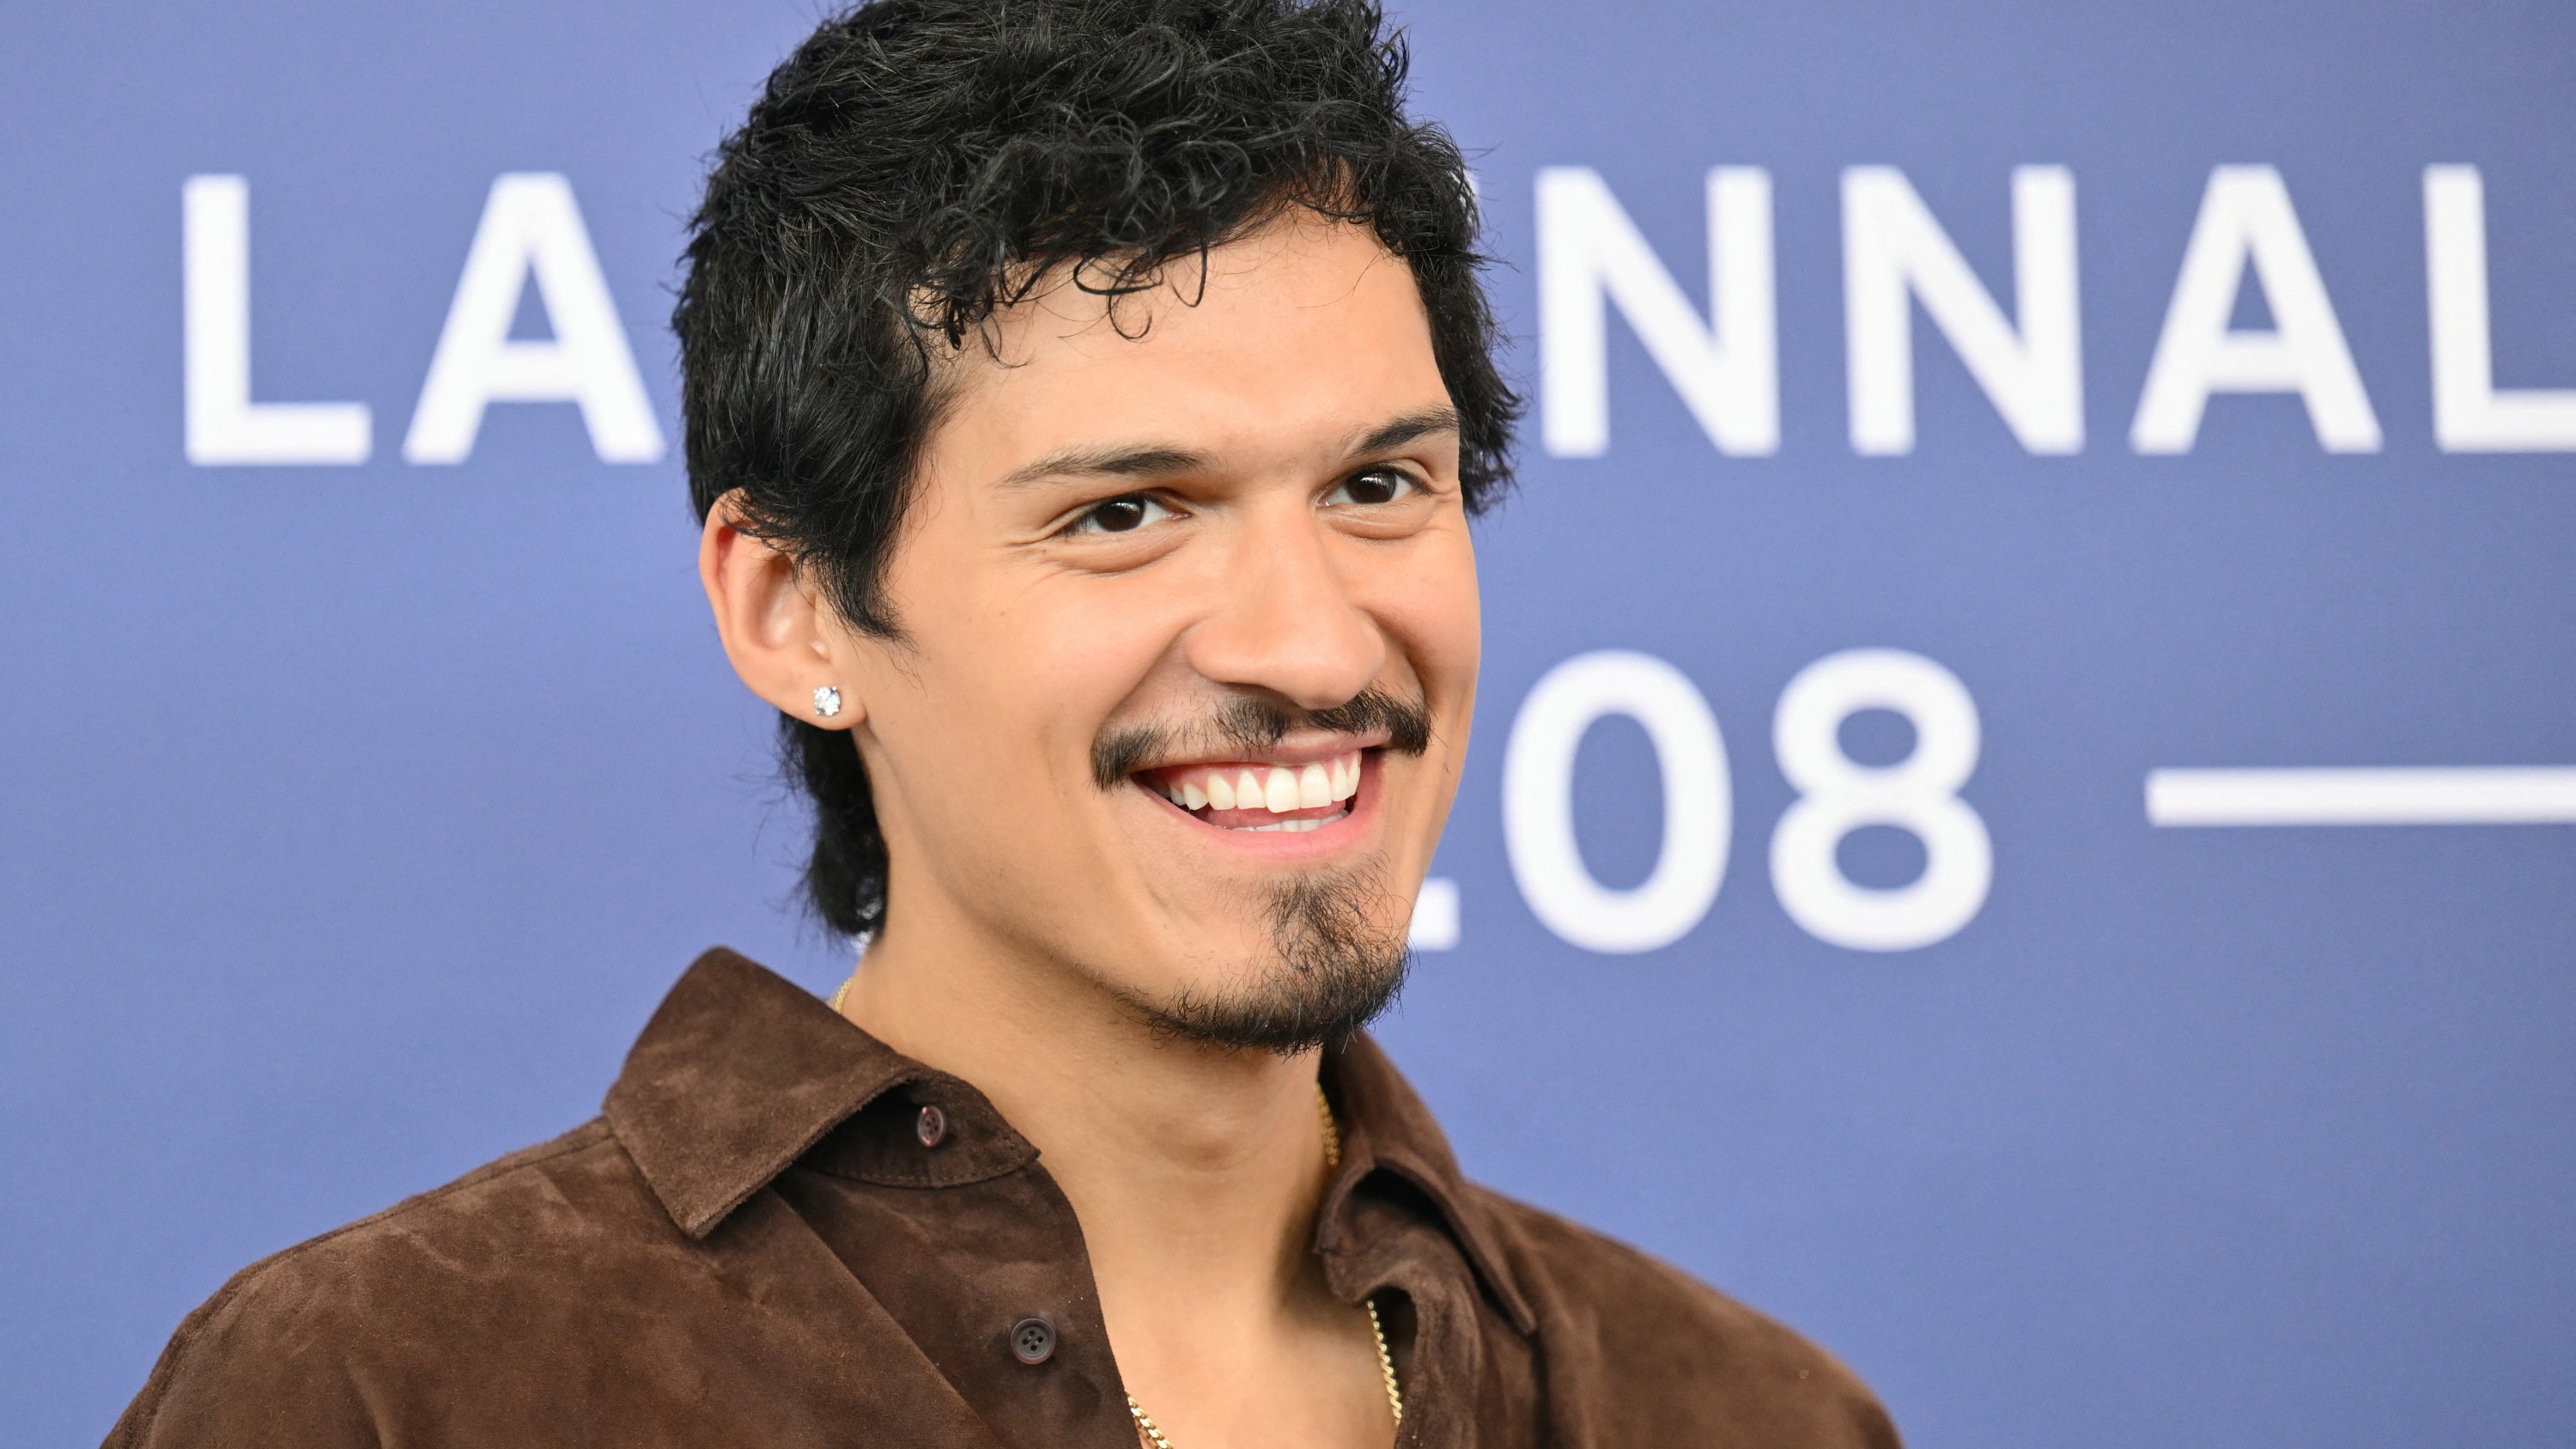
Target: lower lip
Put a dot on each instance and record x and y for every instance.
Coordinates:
(1329, 834)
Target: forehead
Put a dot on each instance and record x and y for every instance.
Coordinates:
(1279, 344)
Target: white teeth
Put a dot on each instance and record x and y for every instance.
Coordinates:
(1278, 789)
(1292, 827)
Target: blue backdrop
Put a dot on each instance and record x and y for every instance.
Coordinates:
(2172, 388)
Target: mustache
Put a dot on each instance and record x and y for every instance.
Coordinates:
(1251, 725)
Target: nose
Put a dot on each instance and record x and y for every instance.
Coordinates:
(1286, 622)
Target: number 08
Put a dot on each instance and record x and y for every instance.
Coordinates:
(1836, 796)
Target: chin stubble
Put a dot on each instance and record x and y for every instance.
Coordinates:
(1335, 969)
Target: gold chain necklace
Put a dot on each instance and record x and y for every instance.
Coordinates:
(1146, 1428)
(1152, 1434)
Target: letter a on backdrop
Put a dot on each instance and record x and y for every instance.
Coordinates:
(532, 226)
(2246, 218)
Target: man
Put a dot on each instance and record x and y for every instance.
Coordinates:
(1086, 400)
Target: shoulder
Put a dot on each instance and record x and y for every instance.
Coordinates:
(301, 1346)
(531, 1223)
(1645, 1353)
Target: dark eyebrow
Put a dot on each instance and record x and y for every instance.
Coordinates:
(1388, 437)
(1118, 462)
(1110, 462)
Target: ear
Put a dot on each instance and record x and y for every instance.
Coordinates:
(781, 639)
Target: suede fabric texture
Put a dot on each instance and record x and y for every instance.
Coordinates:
(753, 1246)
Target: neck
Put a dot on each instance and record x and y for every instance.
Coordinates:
(1194, 1171)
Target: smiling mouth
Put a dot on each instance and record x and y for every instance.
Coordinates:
(1254, 795)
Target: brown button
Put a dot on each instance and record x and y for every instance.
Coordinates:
(932, 1129)
(1033, 1340)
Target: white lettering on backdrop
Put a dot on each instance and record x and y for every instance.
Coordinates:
(1895, 254)
(2246, 221)
(1538, 802)
(1592, 259)
(223, 425)
(2469, 414)
(531, 228)
(1590, 255)
(1837, 795)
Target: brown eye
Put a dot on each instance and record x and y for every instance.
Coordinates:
(1373, 487)
(1121, 515)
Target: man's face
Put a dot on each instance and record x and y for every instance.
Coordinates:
(1190, 644)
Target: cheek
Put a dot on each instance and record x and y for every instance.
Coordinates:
(1030, 683)
(1081, 658)
(1434, 612)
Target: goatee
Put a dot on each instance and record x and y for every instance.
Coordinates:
(1336, 970)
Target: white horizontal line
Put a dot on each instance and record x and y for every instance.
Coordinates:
(2502, 795)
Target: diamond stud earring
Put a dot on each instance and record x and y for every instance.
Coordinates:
(827, 701)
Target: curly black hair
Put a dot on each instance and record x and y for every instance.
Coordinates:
(917, 164)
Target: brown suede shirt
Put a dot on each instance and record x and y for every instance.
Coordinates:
(765, 1240)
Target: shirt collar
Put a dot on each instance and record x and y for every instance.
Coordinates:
(740, 1073)
(1387, 1129)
